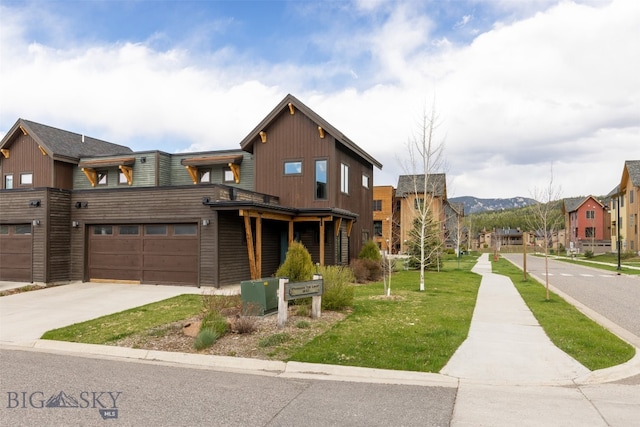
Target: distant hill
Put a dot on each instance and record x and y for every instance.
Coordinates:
(475, 205)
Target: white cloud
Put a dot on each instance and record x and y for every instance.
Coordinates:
(557, 86)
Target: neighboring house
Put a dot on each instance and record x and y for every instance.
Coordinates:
(386, 219)
(455, 232)
(74, 208)
(410, 191)
(630, 207)
(587, 222)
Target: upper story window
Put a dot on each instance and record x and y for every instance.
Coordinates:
(8, 181)
(227, 175)
(122, 178)
(365, 181)
(26, 178)
(293, 167)
(321, 179)
(344, 178)
(630, 196)
(204, 176)
(377, 205)
(101, 177)
(591, 214)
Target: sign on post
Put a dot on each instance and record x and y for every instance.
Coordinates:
(288, 291)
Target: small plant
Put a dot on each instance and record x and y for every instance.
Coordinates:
(303, 309)
(297, 266)
(275, 339)
(205, 339)
(302, 324)
(366, 270)
(215, 322)
(370, 251)
(248, 322)
(588, 254)
(338, 287)
(220, 303)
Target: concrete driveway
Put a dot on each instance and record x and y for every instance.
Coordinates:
(24, 317)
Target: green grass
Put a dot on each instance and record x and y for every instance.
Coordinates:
(607, 258)
(107, 329)
(571, 331)
(415, 331)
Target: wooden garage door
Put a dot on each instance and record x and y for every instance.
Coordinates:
(15, 252)
(151, 253)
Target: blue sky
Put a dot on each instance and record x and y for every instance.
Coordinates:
(517, 85)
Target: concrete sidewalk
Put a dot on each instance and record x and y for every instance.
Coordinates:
(506, 344)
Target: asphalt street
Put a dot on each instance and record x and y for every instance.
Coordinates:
(153, 394)
(616, 297)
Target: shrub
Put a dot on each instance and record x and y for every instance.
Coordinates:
(245, 324)
(220, 303)
(588, 254)
(274, 339)
(370, 251)
(297, 266)
(338, 287)
(205, 339)
(360, 271)
(216, 322)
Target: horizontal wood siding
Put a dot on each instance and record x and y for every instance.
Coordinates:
(163, 169)
(143, 174)
(232, 250)
(58, 236)
(180, 175)
(25, 157)
(271, 238)
(291, 138)
(63, 175)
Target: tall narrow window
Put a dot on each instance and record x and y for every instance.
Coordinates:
(8, 181)
(344, 178)
(321, 179)
(591, 214)
(365, 181)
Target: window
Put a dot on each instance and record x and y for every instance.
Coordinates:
(630, 196)
(377, 228)
(293, 167)
(344, 178)
(26, 178)
(8, 181)
(130, 230)
(377, 205)
(365, 236)
(590, 232)
(102, 230)
(591, 214)
(22, 229)
(102, 177)
(418, 203)
(185, 230)
(227, 175)
(622, 201)
(204, 175)
(155, 230)
(321, 179)
(365, 181)
(4, 229)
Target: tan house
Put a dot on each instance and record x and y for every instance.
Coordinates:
(629, 208)
(386, 219)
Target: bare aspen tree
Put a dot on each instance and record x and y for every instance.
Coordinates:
(425, 157)
(542, 219)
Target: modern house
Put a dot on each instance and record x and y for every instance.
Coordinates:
(588, 223)
(386, 219)
(626, 208)
(74, 208)
(412, 191)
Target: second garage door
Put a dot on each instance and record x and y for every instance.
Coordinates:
(145, 253)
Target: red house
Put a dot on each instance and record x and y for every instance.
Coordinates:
(588, 224)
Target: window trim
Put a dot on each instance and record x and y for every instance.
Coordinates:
(100, 175)
(9, 175)
(366, 178)
(202, 172)
(344, 178)
(24, 175)
(228, 173)
(326, 179)
(292, 162)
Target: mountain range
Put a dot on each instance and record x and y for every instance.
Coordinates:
(475, 205)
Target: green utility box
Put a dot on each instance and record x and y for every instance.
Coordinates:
(260, 295)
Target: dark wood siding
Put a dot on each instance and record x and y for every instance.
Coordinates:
(63, 175)
(232, 249)
(58, 236)
(292, 137)
(25, 157)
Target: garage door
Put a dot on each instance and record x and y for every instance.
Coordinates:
(15, 252)
(144, 253)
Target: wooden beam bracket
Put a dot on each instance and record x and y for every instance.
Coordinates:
(193, 172)
(235, 169)
(5, 152)
(91, 175)
(127, 171)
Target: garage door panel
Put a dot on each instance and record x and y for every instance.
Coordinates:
(15, 256)
(15, 244)
(171, 246)
(116, 261)
(170, 262)
(170, 277)
(116, 244)
(111, 274)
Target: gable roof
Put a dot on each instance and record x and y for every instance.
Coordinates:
(61, 144)
(572, 204)
(632, 169)
(436, 184)
(247, 143)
